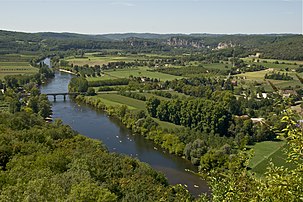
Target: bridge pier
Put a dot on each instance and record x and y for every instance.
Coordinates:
(64, 97)
(54, 98)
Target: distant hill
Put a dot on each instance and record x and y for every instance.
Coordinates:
(139, 36)
(277, 46)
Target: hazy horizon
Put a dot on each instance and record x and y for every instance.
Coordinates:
(94, 34)
(159, 16)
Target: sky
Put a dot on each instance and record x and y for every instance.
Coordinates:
(153, 16)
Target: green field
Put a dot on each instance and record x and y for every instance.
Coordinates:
(91, 60)
(218, 66)
(115, 99)
(13, 68)
(267, 151)
(259, 77)
(137, 72)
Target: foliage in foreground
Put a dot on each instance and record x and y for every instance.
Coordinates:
(278, 184)
(50, 162)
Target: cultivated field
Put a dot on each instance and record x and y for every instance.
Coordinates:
(93, 59)
(16, 64)
(136, 72)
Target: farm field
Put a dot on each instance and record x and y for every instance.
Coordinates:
(137, 72)
(218, 66)
(14, 64)
(267, 151)
(13, 68)
(92, 60)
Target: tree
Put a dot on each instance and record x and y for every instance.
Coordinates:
(91, 91)
(78, 84)
(151, 105)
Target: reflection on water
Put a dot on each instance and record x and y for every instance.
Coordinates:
(117, 138)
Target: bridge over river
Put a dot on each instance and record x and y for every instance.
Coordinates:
(63, 94)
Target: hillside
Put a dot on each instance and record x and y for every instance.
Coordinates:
(275, 46)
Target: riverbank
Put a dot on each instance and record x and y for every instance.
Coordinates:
(66, 71)
(142, 125)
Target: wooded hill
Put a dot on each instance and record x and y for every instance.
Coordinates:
(276, 46)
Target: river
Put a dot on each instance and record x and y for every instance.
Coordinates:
(96, 124)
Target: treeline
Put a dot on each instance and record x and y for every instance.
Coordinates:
(278, 76)
(199, 87)
(192, 70)
(134, 95)
(23, 94)
(201, 114)
(164, 94)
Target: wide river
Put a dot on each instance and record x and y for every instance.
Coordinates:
(96, 124)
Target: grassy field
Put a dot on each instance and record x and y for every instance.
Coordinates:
(115, 99)
(267, 151)
(137, 72)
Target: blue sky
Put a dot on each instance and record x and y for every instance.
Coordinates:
(156, 16)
